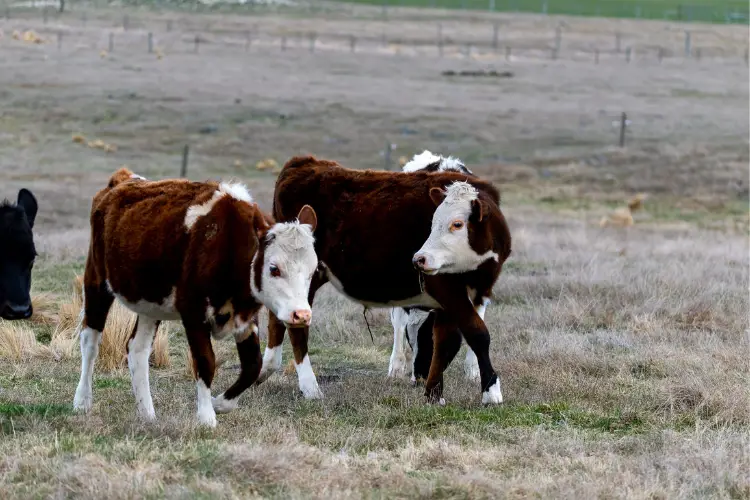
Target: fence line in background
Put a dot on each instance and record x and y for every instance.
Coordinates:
(491, 47)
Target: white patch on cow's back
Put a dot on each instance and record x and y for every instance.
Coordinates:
(425, 158)
(234, 189)
(195, 212)
(137, 177)
(420, 161)
(163, 311)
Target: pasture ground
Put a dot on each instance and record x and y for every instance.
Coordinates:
(623, 351)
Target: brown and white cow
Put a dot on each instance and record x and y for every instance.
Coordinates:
(415, 324)
(370, 226)
(199, 252)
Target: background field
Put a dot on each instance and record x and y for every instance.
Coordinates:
(623, 351)
(708, 11)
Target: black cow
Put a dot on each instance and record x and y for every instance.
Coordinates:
(17, 254)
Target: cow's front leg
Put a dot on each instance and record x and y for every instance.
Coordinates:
(471, 363)
(272, 355)
(307, 382)
(397, 365)
(248, 348)
(447, 342)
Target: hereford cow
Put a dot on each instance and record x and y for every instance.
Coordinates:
(370, 225)
(200, 252)
(414, 324)
(17, 254)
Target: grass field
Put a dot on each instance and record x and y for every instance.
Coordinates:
(716, 11)
(622, 351)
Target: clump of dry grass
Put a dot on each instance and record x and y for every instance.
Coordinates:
(224, 351)
(45, 309)
(19, 343)
(623, 216)
(117, 331)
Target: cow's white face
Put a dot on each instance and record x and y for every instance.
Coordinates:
(283, 269)
(450, 247)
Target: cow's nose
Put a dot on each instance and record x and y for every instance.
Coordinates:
(301, 317)
(419, 261)
(13, 311)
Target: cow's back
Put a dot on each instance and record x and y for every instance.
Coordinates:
(135, 225)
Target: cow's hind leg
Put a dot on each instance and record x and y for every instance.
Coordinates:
(447, 342)
(248, 349)
(139, 350)
(471, 364)
(423, 349)
(97, 300)
(397, 364)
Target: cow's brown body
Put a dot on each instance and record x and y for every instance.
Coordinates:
(370, 224)
(164, 265)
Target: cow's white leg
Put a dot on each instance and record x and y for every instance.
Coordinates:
(307, 381)
(90, 340)
(471, 364)
(397, 365)
(139, 350)
(206, 413)
(271, 362)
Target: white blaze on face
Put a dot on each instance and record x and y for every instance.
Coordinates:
(289, 262)
(448, 250)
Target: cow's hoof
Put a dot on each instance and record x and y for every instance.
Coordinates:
(83, 401)
(223, 405)
(397, 368)
(311, 390)
(493, 395)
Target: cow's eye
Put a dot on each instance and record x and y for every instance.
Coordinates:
(275, 271)
(456, 225)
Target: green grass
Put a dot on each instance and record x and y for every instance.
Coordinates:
(708, 11)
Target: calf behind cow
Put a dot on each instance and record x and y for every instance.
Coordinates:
(370, 225)
(414, 324)
(200, 252)
(17, 254)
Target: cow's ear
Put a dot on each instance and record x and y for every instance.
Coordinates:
(479, 209)
(263, 223)
(27, 201)
(437, 195)
(307, 216)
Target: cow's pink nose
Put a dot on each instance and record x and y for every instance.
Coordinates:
(301, 317)
(419, 261)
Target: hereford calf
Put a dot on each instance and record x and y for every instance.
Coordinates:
(415, 324)
(199, 252)
(370, 225)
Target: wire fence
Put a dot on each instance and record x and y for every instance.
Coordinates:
(485, 41)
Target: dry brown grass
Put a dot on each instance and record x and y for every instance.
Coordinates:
(117, 331)
(18, 343)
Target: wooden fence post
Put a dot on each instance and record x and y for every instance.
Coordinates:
(183, 167)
